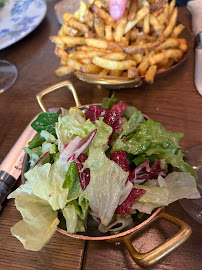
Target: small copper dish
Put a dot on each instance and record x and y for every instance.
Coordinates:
(125, 236)
(112, 82)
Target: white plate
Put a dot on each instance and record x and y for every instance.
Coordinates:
(18, 18)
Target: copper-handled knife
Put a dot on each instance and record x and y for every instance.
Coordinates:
(11, 167)
(195, 7)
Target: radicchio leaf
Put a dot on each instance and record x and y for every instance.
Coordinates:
(119, 108)
(144, 172)
(125, 208)
(76, 147)
(84, 176)
(94, 113)
(120, 158)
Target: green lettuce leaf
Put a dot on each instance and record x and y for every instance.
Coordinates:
(72, 215)
(175, 186)
(37, 141)
(129, 111)
(39, 219)
(77, 125)
(52, 178)
(151, 138)
(108, 102)
(107, 183)
(70, 126)
(71, 175)
(75, 191)
(46, 121)
(102, 135)
(48, 136)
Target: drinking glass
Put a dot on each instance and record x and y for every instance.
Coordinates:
(194, 207)
(8, 75)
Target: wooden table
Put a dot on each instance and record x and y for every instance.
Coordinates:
(171, 100)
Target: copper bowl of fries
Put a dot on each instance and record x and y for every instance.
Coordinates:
(144, 43)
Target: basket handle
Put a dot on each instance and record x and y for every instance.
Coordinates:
(54, 88)
(153, 256)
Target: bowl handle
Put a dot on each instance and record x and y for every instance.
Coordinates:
(153, 256)
(54, 88)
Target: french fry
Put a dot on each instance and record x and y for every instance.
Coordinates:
(118, 56)
(142, 47)
(103, 15)
(137, 57)
(143, 66)
(182, 44)
(98, 3)
(86, 60)
(132, 72)
(154, 22)
(176, 54)
(90, 68)
(113, 65)
(146, 24)
(63, 70)
(132, 10)
(169, 43)
(120, 27)
(168, 30)
(139, 16)
(108, 33)
(86, 48)
(88, 19)
(158, 11)
(99, 26)
(150, 74)
(164, 62)
(85, 54)
(77, 25)
(70, 41)
(62, 54)
(66, 16)
(162, 18)
(74, 64)
(104, 72)
(134, 34)
(83, 10)
(97, 43)
(115, 73)
(69, 31)
(168, 65)
(76, 14)
(171, 7)
(177, 30)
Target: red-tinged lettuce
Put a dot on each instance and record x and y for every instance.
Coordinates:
(125, 208)
(144, 172)
(119, 108)
(120, 158)
(76, 147)
(94, 113)
(84, 175)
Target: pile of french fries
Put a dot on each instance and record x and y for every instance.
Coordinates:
(142, 43)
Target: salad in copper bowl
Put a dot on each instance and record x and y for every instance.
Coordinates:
(107, 163)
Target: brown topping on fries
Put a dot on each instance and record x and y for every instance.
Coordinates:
(142, 43)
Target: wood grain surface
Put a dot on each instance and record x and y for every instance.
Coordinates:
(171, 100)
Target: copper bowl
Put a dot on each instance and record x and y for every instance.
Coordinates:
(142, 259)
(112, 82)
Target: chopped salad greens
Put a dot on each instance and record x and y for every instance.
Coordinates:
(110, 164)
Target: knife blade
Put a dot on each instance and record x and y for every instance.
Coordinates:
(11, 167)
(198, 62)
(195, 7)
